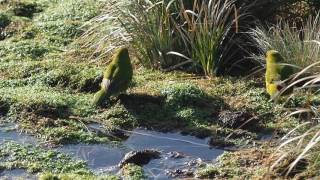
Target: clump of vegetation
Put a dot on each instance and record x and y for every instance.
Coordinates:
(205, 32)
(43, 99)
(35, 160)
(62, 21)
(182, 94)
(133, 172)
(25, 8)
(70, 176)
(241, 164)
(298, 45)
(24, 49)
(184, 37)
(4, 20)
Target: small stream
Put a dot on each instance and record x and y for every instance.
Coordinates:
(179, 154)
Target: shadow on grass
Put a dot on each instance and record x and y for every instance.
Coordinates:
(191, 117)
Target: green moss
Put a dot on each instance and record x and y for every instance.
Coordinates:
(117, 116)
(24, 49)
(64, 132)
(25, 8)
(69, 176)
(35, 159)
(41, 99)
(70, 10)
(61, 31)
(133, 172)
(54, 73)
(178, 95)
(209, 172)
(244, 164)
(62, 21)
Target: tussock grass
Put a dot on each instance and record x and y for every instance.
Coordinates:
(305, 138)
(206, 31)
(168, 35)
(299, 46)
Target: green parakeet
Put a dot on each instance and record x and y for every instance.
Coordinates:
(116, 77)
(276, 73)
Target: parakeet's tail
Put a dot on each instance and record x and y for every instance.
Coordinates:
(99, 98)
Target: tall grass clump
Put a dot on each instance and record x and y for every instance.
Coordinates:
(206, 31)
(145, 25)
(149, 25)
(169, 34)
(299, 46)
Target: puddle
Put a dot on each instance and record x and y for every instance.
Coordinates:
(8, 133)
(99, 157)
(105, 158)
(16, 174)
(178, 152)
(168, 142)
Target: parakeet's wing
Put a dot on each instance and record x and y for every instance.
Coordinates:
(110, 72)
(109, 76)
(286, 72)
(118, 83)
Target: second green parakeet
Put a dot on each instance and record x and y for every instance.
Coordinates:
(116, 77)
(276, 73)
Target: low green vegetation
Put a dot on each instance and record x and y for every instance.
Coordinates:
(50, 69)
(133, 172)
(34, 159)
(70, 176)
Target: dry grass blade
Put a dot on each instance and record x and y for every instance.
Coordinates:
(315, 140)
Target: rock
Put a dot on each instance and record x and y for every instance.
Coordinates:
(181, 173)
(140, 157)
(176, 155)
(237, 119)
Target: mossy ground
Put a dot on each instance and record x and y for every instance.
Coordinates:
(47, 82)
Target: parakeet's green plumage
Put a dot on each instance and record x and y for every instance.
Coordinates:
(116, 77)
(276, 73)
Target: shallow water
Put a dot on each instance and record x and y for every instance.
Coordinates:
(16, 174)
(99, 157)
(8, 132)
(104, 158)
(167, 142)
